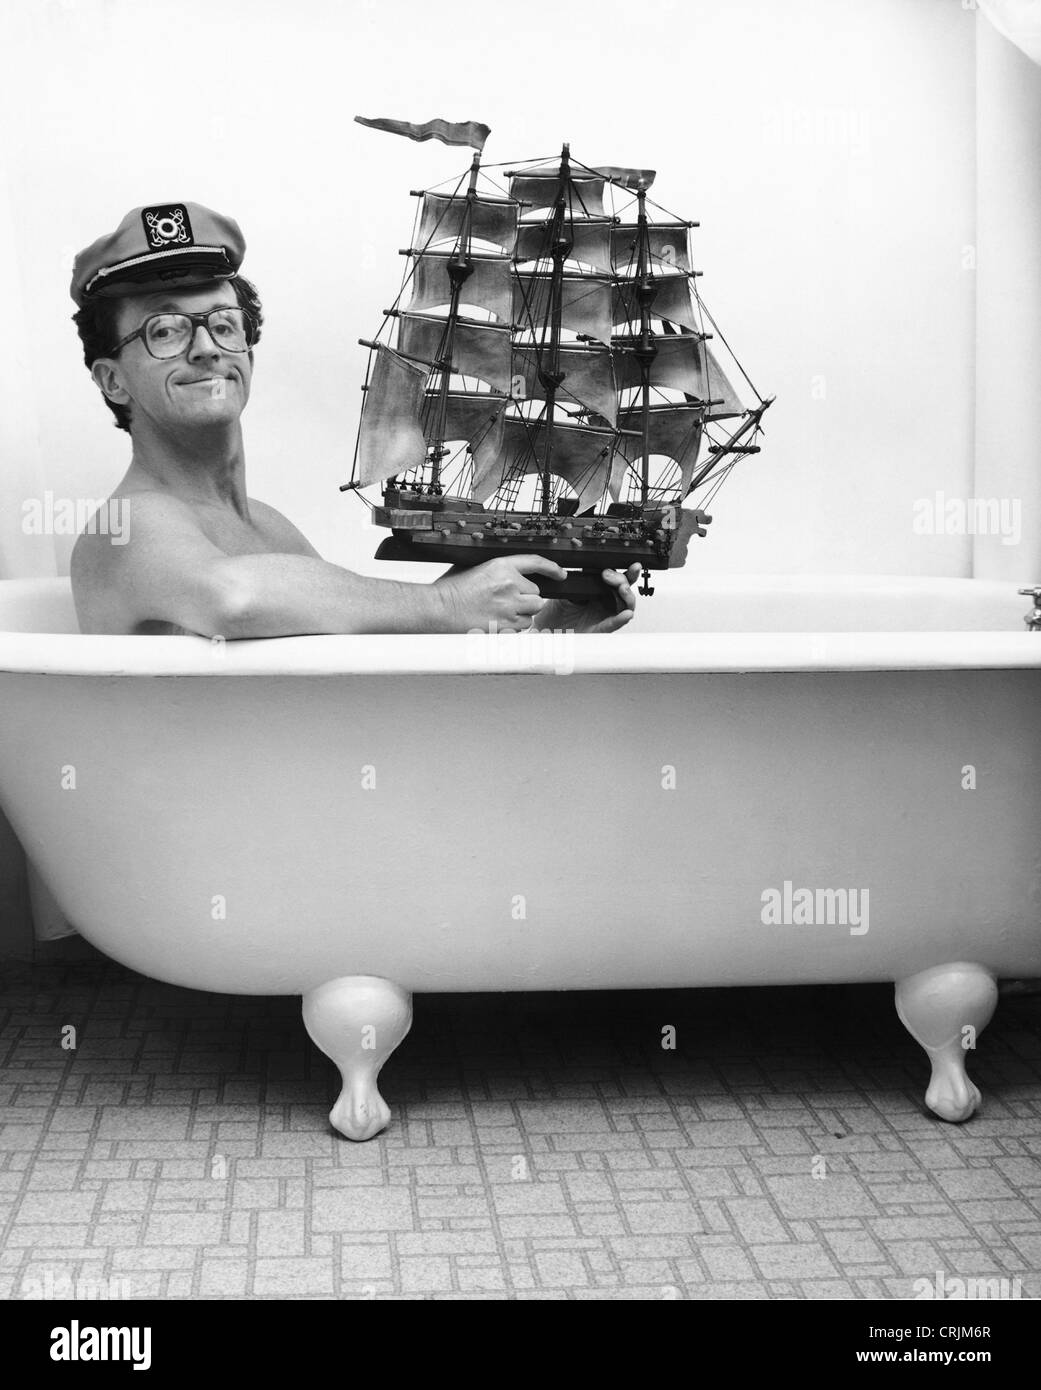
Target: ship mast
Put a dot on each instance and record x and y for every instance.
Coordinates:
(646, 352)
(460, 267)
(551, 377)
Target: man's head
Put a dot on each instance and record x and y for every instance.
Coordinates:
(168, 390)
(168, 259)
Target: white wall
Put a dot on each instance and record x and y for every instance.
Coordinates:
(1008, 324)
(826, 146)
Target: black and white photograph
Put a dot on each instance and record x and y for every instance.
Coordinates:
(520, 657)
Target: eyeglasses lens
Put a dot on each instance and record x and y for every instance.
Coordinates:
(167, 335)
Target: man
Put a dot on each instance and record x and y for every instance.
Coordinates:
(168, 329)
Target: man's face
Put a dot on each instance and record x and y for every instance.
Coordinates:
(205, 386)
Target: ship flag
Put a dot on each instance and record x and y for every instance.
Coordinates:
(471, 133)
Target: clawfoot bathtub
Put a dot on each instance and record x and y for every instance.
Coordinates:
(738, 789)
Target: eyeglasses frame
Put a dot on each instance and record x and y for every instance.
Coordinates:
(197, 321)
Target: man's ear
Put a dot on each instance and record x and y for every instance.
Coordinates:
(107, 376)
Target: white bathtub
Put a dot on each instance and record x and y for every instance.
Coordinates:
(356, 818)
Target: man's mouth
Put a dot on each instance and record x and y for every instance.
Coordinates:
(215, 387)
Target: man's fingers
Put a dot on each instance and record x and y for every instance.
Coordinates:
(630, 576)
(537, 564)
(621, 582)
(613, 624)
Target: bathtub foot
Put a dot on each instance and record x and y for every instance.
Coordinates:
(358, 1021)
(945, 1009)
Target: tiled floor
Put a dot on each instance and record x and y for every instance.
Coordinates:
(542, 1146)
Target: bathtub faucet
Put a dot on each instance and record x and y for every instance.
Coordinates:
(1033, 620)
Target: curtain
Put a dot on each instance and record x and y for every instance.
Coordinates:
(1008, 283)
(1019, 21)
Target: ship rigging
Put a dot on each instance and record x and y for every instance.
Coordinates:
(551, 387)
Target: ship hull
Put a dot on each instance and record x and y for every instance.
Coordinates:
(586, 557)
(463, 540)
(587, 564)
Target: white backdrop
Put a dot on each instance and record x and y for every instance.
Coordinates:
(828, 148)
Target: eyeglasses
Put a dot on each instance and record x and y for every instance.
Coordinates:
(168, 335)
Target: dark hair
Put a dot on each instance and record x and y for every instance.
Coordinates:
(96, 324)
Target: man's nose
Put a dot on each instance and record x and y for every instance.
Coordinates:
(202, 344)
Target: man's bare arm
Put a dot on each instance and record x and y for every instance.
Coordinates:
(170, 571)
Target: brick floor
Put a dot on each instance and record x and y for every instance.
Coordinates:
(542, 1146)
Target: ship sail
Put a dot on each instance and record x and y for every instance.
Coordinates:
(584, 190)
(609, 247)
(719, 389)
(667, 244)
(487, 287)
(585, 303)
(469, 414)
(628, 178)
(591, 243)
(491, 219)
(481, 350)
(672, 301)
(478, 418)
(581, 456)
(682, 363)
(391, 437)
(540, 188)
(673, 431)
(588, 377)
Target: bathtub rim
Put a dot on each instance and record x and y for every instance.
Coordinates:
(69, 654)
(626, 652)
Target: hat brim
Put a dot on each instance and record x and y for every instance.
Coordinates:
(161, 270)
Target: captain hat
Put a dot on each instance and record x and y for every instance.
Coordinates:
(163, 246)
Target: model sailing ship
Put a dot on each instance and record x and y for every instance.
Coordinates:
(551, 389)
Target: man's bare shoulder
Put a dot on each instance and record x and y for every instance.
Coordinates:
(133, 515)
(281, 529)
(107, 564)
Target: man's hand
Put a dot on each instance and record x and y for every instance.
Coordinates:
(594, 615)
(496, 592)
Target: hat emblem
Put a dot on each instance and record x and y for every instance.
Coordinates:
(167, 225)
